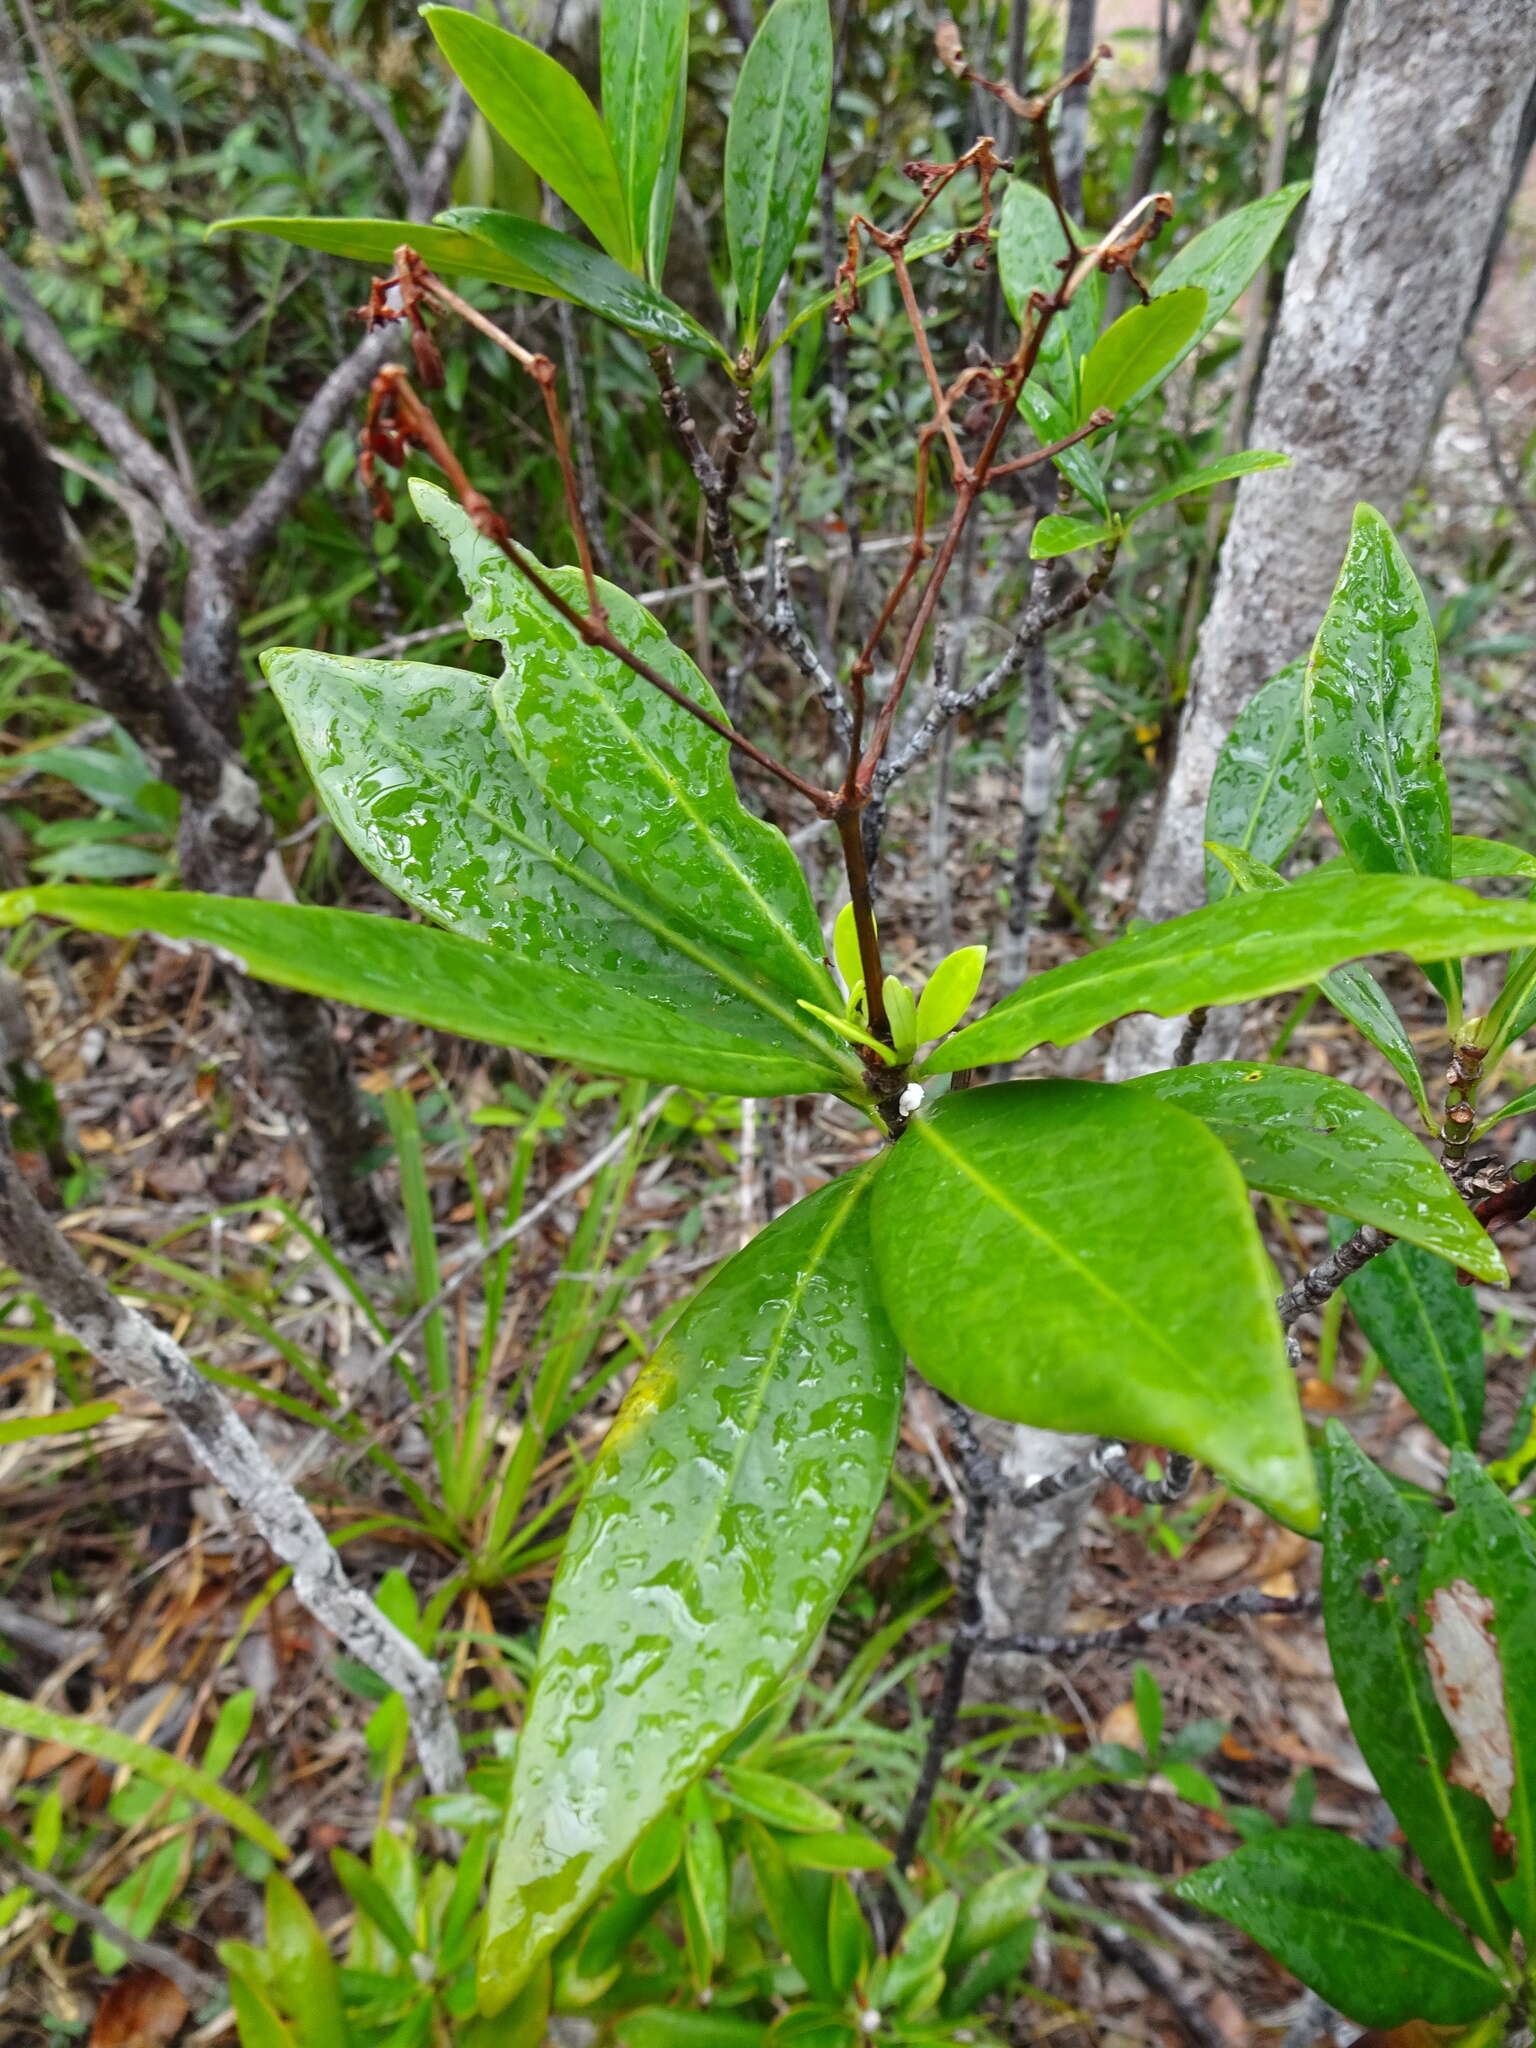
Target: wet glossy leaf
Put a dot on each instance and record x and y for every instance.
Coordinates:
(1371, 712)
(1312, 1139)
(1224, 258)
(1372, 1561)
(535, 104)
(644, 70)
(1262, 793)
(567, 269)
(846, 1849)
(374, 242)
(1472, 858)
(1056, 534)
(641, 779)
(774, 144)
(1052, 421)
(921, 1952)
(1209, 475)
(722, 1517)
(1231, 951)
(1084, 1258)
(1485, 1552)
(415, 771)
(1344, 1920)
(1354, 991)
(996, 1908)
(1133, 356)
(1031, 250)
(1427, 1332)
(950, 992)
(433, 977)
(779, 1801)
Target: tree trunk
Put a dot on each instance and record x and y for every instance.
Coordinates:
(21, 121)
(1415, 151)
(1072, 135)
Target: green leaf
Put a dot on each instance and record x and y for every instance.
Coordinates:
(1031, 255)
(878, 266)
(1309, 1138)
(375, 241)
(845, 1849)
(1052, 421)
(644, 68)
(304, 1978)
(22, 1429)
(1224, 258)
(639, 778)
(1057, 534)
(997, 1907)
(1344, 1920)
(720, 1522)
(258, 2025)
(796, 1902)
(1133, 355)
(1149, 1709)
(1473, 858)
(1209, 475)
(38, 1724)
(779, 1801)
(666, 2026)
(774, 145)
(373, 1901)
(1371, 712)
(950, 992)
(850, 1945)
(430, 977)
(567, 269)
(656, 1855)
(845, 947)
(1427, 1332)
(1517, 1105)
(901, 1015)
(413, 767)
(1232, 951)
(705, 1867)
(1372, 1563)
(921, 1952)
(1262, 793)
(1478, 1602)
(1354, 991)
(1084, 1258)
(535, 104)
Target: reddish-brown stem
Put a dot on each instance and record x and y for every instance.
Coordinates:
(544, 377)
(1100, 418)
(925, 356)
(852, 840)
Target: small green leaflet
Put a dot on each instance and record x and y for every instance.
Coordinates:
(1224, 258)
(1133, 356)
(1056, 534)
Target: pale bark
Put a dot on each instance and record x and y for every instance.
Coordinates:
(1416, 146)
(21, 121)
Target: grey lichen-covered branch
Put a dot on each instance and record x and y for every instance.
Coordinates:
(142, 1356)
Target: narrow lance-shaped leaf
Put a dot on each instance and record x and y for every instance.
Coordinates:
(639, 777)
(434, 977)
(1232, 951)
(535, 104)
(1347, 1922)
(1427, 1331)
(1478, 1600)
(1224, 258)
(643, 64)
(1084, 1258)
(1052, 421)
(774, 145)
(374, 242)
(1262, 793)
(1309, 1138)
(1222, 471)
(1354, 991)
(724, 1513)
(1131, 358)
(1371, 1566)
(411, 763)
(568, 269)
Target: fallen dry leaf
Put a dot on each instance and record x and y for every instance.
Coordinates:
(1323, 1397)
(1121, 1725)
(141, 2009)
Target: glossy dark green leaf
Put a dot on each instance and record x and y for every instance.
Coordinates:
(774, 145)
(641, 779)
(644, 69)
(1262, 793)
(1057, 534)
(1354, 991)
(1224, 258)
(1031, 252)
(1478, 1602)
(568, 269)
(1222, 471)
(536, 105)
(433, 977)
(413, 767)
(1312, 1139)
(1427, 1332)
(1346, 1921)
(1053, 421)
(1371, 712)
(1230, 952)
(375, 241)
(1133, 356)
(1372, 1560)
(1082, 1257)
(721, 1519)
